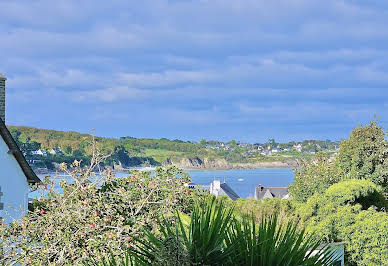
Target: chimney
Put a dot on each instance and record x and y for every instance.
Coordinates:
(2, 97)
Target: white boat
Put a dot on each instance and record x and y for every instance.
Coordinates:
(240, 179)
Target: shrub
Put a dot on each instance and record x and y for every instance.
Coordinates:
(343, 213)
(312, 177)
(283, 208)
(365, 155)
(215, 237)
(87, 220)
(354, 191)
(367, 238)
(200, 243)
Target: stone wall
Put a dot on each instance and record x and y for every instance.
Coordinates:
(2, 97)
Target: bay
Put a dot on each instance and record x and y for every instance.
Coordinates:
(242, 181)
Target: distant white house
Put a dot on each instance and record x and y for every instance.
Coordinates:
(15, 173)
(266, 153)
(41, 152)
(298, 147)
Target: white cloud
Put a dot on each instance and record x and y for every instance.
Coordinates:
(109, 94)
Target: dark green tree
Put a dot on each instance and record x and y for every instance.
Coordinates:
(365, 155)
(313, 177)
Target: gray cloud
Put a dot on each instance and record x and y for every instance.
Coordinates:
(244, 65)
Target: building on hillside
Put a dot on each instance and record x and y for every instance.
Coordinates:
(40, 152)
(217, 188)
(298, 147)
(15, 173)
(52, 152)
(266, 153)
(271, 192)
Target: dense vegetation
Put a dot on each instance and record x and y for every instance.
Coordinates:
(153, 220)
(344, 198)
(129, 151)
(157, 220)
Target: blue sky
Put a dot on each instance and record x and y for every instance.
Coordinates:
(220, 69)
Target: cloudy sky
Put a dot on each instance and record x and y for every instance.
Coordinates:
(220, 69)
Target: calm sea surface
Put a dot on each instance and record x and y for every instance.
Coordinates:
(243, 181)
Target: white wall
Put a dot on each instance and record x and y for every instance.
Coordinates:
(13, 184)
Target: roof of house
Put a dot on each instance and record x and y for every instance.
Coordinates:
(270, 192)
(15, 151)
(228, 191)
(1, 76)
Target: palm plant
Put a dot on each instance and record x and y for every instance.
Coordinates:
(273, 243)
(213, 236)
(200, 243)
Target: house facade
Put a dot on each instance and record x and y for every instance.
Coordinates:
(217, 188)
(15, 173)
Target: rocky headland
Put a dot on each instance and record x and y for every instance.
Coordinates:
(197, 163)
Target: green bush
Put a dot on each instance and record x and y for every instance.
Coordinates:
(354, 191)
(283, 208)
(365, 155)
(367, 238)
(312, 177)
(215, 237)
(87, 220)
(340, 215)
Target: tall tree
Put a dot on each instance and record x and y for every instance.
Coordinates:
(365, 155)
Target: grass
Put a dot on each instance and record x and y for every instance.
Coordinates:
(163, 155)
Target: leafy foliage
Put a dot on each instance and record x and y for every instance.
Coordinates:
(365, 155)
(202, 243)
(367, 238)
(92, 214)
(313, 177)
(215, 237)
(335, 216)
(264, 208)
(269, 243)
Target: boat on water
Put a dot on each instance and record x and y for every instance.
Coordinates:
(240, 179)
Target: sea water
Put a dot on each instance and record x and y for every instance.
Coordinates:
(242, 181)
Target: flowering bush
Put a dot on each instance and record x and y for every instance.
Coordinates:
(93, 213)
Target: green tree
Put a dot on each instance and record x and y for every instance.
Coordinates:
(232, 143)
(312, 177)
(365, 155)
(272, 143)
(203, 142)
(120, 154)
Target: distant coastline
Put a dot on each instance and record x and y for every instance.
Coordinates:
(235, 166)
(221, 166)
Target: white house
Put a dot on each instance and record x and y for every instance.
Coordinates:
(217, 188)
(15, 173)
(298, 147)
(41, 152)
